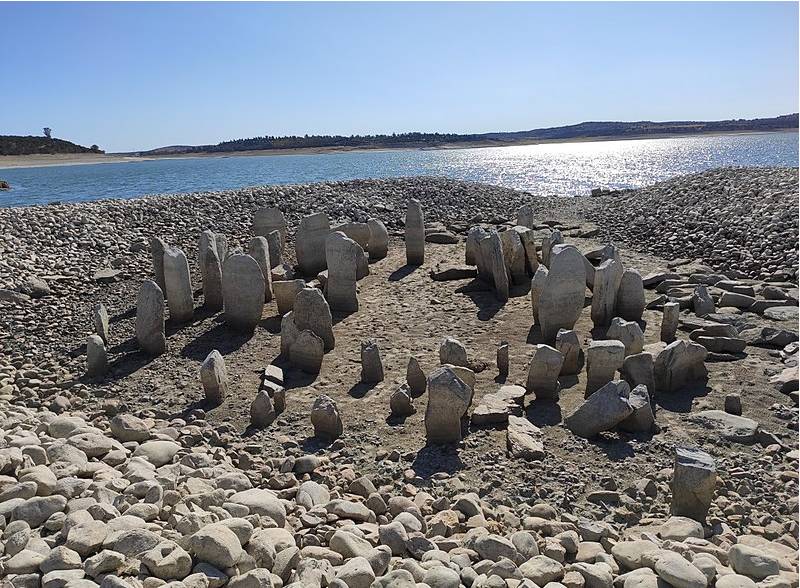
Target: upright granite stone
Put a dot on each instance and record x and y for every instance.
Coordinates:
(629, 332)
(678, 365)
(285, 293)
(179, 285)
(100, 321)
(221, 245)
(415, 233)
(630, 296)
(702, 302)
(262, 410)
(694, 478)
(242, 292)
(275, 249)
(401, 402)
(312, 313)
(543, 373)
(415, 378)
(270, 219)
(502, 359)
(258, 248)
(538, 283)
(525, 216)
(452, 351)
(548, 242)
(207, 241)
(212, 280)
(325, 419)
(358, 232)
(310, 243)
(150, 319)
(306, 352)
(495, 265)
(472, 254)
(343, 255)
(602, 411)
(514, 256)
(562, 298)
(669, 321)
(157, 247)
(637, 370)
(371, 363)
(528, 239)
(378, 239)
(96, 357)
(603, 359)
(214, 378)
(607, 278)
(289, 334)
(569, 346)
(448, 400)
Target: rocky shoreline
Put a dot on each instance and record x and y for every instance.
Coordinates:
(130, 477)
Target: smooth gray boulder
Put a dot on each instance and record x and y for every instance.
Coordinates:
(607, 279)
(561, 300)
(371, 363)
(415, 378)
(96, 357)
(325, 419)
(637, 369)
(603, 359)
(472, 254)
(602, 411)
(309, 243)
(270, 219)
(543, 372)
(212, 280)
(702, 302)
(502, 359)
(157, 247)
(548, 243)
(728, 426)
(452, 351)
(285, 292)
(415, 233)
(629, 333)
(358, 232)
(214, 378)
(149, 325)
(378, 239)
(694, 479)
(568, 344)
(669, 321)
(242, 292)
(343, 255)
(179, 285)
(679, 364)
(312, 313)
(448, 400)
(630, 296)
(258, 249)
(538, 283)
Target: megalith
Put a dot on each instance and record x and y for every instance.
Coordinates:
(358, 232)
(371, 363)
(285, 292)
(326, 419)
(679, 364)
(603, 359)
(538, 282)
(378, 239)
(472, 255)
(525, 216)
(342, 254)
(602, 411)
(415, 233)
(258, 248)
(528, 239)
(630, 296)
(561, 300)
(214, 378)
(179, 285)
(629, 333)
(270, 219)
(306, 352)
(491, 255)
(212, 280)
(607, 278)
(452, 351)
(157, 247)
(312, 313)
(448, 400)
(309, 243)
(514, 256)
(415, 378)
(275, 250)
(702, 302)
(637, 370)
(242, 292)
(150, 318)
(694, 479)
(96, 357)
(100, 321)
(569, 345)
(543, 373)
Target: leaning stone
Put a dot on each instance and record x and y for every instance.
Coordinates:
(274, 245)
(96, 357)
(325, 418)
(401, 403)
(212, 280)
(679, 364)
(669, 321)
(641, 419)
(569, 346)
(258, 248)
(157, 247)
(561, 300)
(342, 254)
(448, 400)
(452, 351)
(150, 318)
(311, 312)
(262, 410)
(378, 239)
(243, 292)
(306, 352)
(502, 359)
(415, 378)
(602, 411)
(371, 364)
(415, 233)
(285, 293)
(630, 296)
(607, 279)
(310, 243)
(528, 239)
(702, 302)
(629, 333)
(694, 479)
(267, 220)
(753, 562)
(524, 439)
(637, 370)
(548, 243)
(100, 320)
(603, 359)
(214, 378)
(179, 285)
(543, 372)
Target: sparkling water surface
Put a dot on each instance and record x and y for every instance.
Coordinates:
(562, 169)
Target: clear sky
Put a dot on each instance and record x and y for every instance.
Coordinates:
(134, 76)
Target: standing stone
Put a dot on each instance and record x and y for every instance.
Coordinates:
(569, 346)
(275, 249)
(543, 373)
(262, 410)
(452, 351)
(702, 302)
(358, 232)
(207, 241)
(157, 247)
(525, 216)
(641, 420)
(270, 219)
(548, 243)
(679, 364)
(289, 333)
(472, 254)
(221, 245)
(630, 296)
(528, 239)
(502, 359)
(603, 359)
(378, 239)
(242, 292)
(310, 243)
(285, 293)
(179, 285)
(342, 254)
(694, 478)
(96, 357)
(214, 378)
(733, 404)
(562, 298)
(325, 418)
(629, 332)
(312, 313)
(212, 280)
(602, 411)
(495, 265)
(538, 283)
(401, 403)
(637, 370)
(150, 318)
(371, 364)
(514, 256)
(669, 321)
(100, 320)
(415, 233)
(607, 278)
(258, 248)
(306, 352)
(448, 400)
(415, 378)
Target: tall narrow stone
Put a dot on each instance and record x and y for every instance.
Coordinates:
(415, 233)
(275, 250)
(607, 278)
(525, 216)
(528, 239)
(157, 247)
(452, 351)
(207, 241)
(309, 243)
(312, 313)
(258, 248)
(285, 293)
(242, 292)
(603, 359)
(569, 345)
(179, 285)
(270, 219)
(678, 365)
(212, 280)
(96, 357)
(448, 400)
(378, 239)
(502, 359)
(694, 479)
(630, 296)
(472, 255)
(289, 334)
(495, 265)
(562, 298)
(550, 241)
(307, 352)
(415, 378)
(669, 321)
(150, 318)
(538, 282)
(221, 245)
(342, 254)
(100, 320)
(543, 373)
(325, 418)
(214, 378)
(371, 363)
(514, 256)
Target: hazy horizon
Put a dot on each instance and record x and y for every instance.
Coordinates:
(135, 76)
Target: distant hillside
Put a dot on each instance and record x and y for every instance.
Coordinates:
(578, 131)
(19, 145)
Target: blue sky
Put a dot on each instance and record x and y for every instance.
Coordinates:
(135, 76)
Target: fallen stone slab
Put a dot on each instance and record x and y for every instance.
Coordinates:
(782, 313)
(442, 238)
(445, 273)
(654, 279)
(728, 426)
(496, 408)
(722, 344)
(524, 439)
